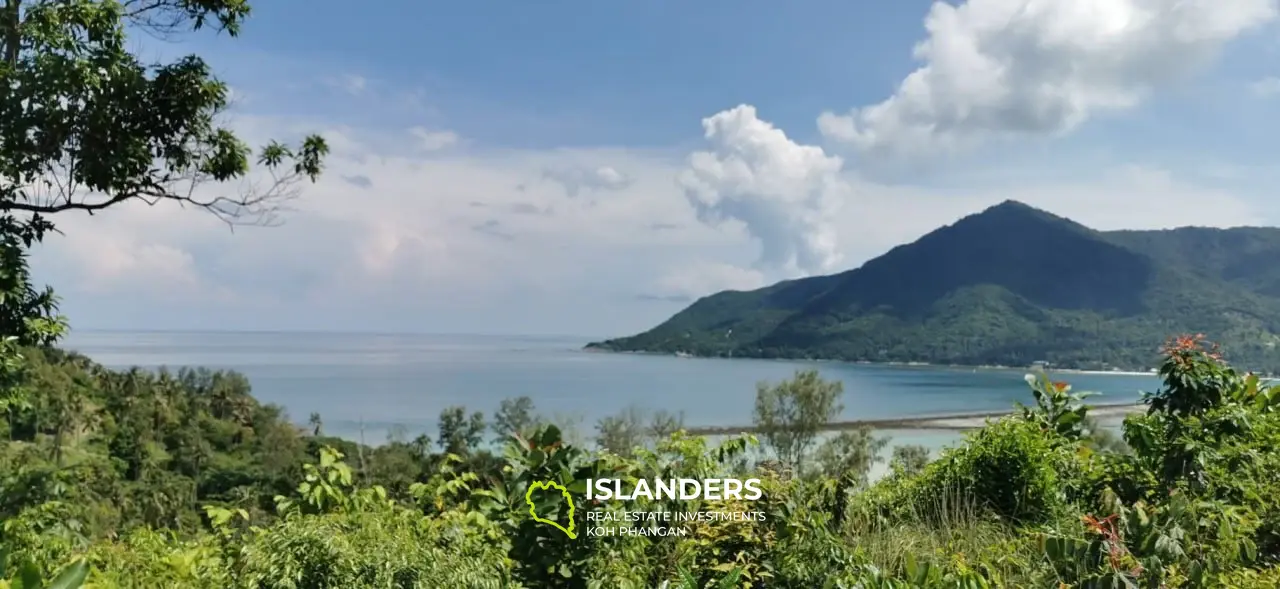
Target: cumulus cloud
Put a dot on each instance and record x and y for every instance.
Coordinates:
(443, 232)
(1039, 67)
(425, 251)
(785, 194)
(143, 258)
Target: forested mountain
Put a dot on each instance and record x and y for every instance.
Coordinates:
(1010, 285)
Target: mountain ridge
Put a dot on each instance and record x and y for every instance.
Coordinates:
(1008, 285)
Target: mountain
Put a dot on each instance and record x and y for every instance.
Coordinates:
(1011, 285)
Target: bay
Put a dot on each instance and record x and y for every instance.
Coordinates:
(367, 386)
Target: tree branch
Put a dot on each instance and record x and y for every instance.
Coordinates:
(261, 204)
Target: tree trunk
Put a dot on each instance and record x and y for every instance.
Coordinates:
(12, 30)
(360, 454)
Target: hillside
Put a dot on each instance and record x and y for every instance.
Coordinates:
(1010, 285)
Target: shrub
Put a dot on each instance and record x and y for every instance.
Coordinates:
(1012, 468)
(386, 548)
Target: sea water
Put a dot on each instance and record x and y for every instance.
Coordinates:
(371, 386)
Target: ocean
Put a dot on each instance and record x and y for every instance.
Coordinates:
(368, 386)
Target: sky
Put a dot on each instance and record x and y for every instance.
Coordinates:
(590, 168)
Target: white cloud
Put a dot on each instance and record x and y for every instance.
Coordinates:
(1039, 67)
(784, 193)
(575, 180)
(1122, 197)
(698, 279)
(407, 254)
(434, 140)
(1266, 87)
(142, 257)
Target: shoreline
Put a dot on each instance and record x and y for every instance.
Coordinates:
(945, 422)
(589, 348)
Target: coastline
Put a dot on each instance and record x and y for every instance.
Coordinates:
(592, 348)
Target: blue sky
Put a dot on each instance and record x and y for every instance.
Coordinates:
(551, 74)
(590, 167)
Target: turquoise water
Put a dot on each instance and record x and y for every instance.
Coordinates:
(401, 382)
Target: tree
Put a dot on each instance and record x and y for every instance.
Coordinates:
(458, 434)
(622, 433)
(789, 414)
(421, 446)
(850, 455)
(514, 416)
(28, 317)
(27, 314)
(909, 459)
(317, 424)
(85, 125)
(664, 423)
(1102, 439)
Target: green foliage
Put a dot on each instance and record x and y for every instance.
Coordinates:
(910, 459)
(621, 434)
(1012, 467)
(514, 416)
(790, 413)
(1058, 409)
(460, 433)
(543, 556)
(29, 576)
(86, 125)
(662, 424)
(849, 455)
(633, 428)
(1027, 501)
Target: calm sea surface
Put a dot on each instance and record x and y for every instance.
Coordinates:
(399, 383)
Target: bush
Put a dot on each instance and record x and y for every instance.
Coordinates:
(1012, 468)
(390, 548)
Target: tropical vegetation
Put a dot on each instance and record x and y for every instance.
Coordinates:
(127, 478)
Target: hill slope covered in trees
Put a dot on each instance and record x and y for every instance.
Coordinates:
(1010, 285)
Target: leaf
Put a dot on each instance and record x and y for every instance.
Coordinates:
(1249, 551)
(71, 577)
(1195, 574)
(28, 577)
(909, 566)
(731, 579)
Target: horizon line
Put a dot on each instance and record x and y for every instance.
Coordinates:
(331, 332)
